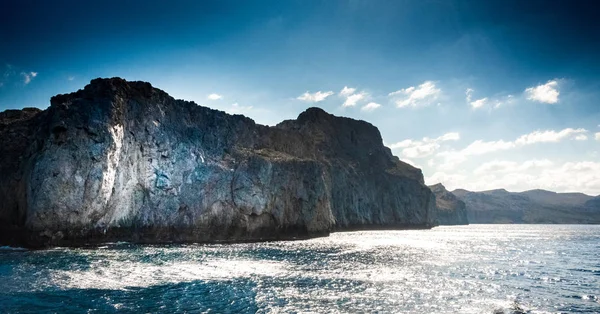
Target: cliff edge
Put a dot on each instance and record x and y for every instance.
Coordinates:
(450, 209)
(124, 161)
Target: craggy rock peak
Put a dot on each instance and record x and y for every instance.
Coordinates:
(125, 161)
(534, 206)
(450, 210)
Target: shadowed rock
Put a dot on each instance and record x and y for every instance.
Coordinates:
(125, 161)
(450, 210)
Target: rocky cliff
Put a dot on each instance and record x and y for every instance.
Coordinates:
(450, 210)
(534, 206)
(122, 160)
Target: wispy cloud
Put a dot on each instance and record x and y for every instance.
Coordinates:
(546, 93)
(353, 99)
(70, 78)
(315, 97)
(419, 96)
(425, 147)
(597, 136)
(469, 94)
(28, 76)
(214, 96)
(479, 147)
(496, 101)
(582, 176)
(370, 106)
(551, 136)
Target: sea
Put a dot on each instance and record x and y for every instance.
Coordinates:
(448, 269)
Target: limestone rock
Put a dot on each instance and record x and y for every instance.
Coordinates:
(122, 160)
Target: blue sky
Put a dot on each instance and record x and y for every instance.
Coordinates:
(479, 94)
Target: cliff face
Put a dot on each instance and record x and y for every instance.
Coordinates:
(122, 160)
(450, 210)
(535, 206)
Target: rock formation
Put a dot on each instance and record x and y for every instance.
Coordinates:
(534, 206)
(125, 161)
(450, 210)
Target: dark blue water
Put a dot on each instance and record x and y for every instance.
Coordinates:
(471, 269)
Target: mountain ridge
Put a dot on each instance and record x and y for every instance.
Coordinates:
(531, 206)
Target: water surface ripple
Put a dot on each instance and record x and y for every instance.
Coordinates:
(463, 269)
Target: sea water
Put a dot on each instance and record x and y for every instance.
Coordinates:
(461, 269)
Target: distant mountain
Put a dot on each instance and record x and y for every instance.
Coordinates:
(449, 209)
(534, 206)
(593, 204)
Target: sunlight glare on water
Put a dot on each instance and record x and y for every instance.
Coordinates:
(464, 269)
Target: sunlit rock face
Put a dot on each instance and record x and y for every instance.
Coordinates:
(449, 209)
(125, 161)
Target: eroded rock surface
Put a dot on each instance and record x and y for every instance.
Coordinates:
(125, 161)
(450, 210)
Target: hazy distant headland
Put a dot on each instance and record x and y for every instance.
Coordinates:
(502, 207)
(534, 206)
(123, 160)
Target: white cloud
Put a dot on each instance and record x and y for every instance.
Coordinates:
(550, 136)
(581, 137)
(479, 103)
(237, 109)
(425, 147)
(315, 97)
(353, 99)
(347, 91)
(70, 78)
(453, 158)
(469, 94)
(581, 176)
(422, 95)
(508, 166)
(449, 180)
(214, 96)
(452, 136)
(480, 147)
(27, 77)
(370, 106)
(546, 93)
(597, 136)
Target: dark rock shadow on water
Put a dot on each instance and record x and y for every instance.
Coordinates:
(235, 296)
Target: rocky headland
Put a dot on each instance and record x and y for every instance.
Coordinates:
(532, 207)
(124, 161)
(450, 210)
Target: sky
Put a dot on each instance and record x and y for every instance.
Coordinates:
(478, 94)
